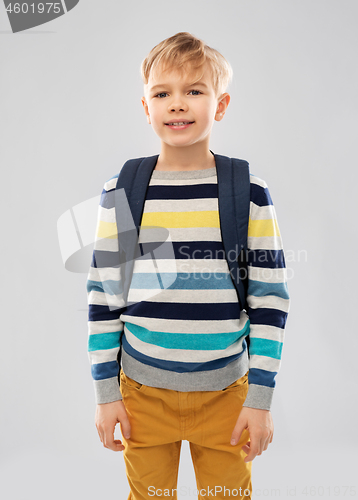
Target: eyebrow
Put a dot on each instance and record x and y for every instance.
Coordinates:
(161, 85)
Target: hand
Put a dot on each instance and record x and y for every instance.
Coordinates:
(260, 426)
(107, 416)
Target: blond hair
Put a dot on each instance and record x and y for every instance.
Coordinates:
(184, 51)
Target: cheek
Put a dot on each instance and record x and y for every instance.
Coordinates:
(207, 112)
(208, 116)
(156, 113)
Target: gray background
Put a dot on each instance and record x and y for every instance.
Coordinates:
(70, 116)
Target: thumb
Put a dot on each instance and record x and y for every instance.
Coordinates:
(238, 429)
(125, 427)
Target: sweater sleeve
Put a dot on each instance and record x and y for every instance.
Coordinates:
(105, 302)
(267, 296)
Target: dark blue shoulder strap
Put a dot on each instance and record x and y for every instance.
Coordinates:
(134, 178)
(234, 201)
(241, 183)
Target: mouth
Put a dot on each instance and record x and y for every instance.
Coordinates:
(179, 124)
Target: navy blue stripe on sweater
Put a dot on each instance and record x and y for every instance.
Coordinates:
(264, 316)
(262, 377)
(102, 371)
(182, 192)
(184, 250)
(272, 259)
(189, 311)
(261, 195)
(103, 313)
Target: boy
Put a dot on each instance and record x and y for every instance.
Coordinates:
(186, 372)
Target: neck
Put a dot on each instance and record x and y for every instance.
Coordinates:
(185, 158)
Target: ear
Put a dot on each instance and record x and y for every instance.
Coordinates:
(223, 103)
(145, 105)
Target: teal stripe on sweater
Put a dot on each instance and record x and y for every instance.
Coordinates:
(190, 341)
(112, 287)
(183, 281)
(266, 347)
(100, 341)
(261, 289)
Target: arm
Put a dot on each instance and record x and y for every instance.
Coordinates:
(105, 300)
(267, 297)
(268, 306)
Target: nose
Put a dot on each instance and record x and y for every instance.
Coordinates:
(177, 108)
(177, 104)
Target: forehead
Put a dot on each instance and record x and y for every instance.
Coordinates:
(186, 76)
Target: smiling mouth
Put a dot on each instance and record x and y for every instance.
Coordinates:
(178, 123)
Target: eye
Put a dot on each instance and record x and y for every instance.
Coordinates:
(165, 93)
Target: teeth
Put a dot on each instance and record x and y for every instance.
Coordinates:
(178, 123)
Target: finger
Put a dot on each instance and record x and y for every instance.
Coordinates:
(111, 443)
(114, 446)
(119, 445)
(246, 448)
(236, 433)
(100, 434)
(123, 420)
(261, 445)
(267, 442)
(109, 439)
(254, 450)
(125, 427)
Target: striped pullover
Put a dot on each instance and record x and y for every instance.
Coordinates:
(181, 327)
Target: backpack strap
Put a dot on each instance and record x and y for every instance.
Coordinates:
(134, 179)
(234, 200)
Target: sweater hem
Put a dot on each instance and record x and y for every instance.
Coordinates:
(208, 380)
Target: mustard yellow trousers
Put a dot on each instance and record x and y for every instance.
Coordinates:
(161, 418)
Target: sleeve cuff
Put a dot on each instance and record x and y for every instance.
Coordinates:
(259, 396)
(107, 390)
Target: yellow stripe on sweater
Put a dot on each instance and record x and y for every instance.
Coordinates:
(263, 227)
(107, 230)
(207, 218)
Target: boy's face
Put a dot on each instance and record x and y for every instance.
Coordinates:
(169, 98)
